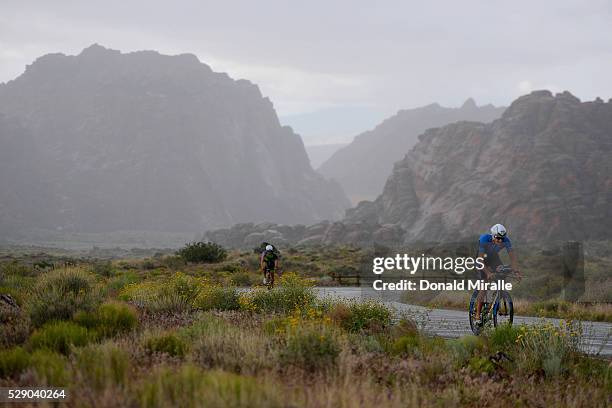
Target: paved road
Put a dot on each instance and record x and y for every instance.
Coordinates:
(597, 337)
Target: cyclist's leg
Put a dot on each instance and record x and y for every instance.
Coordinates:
(480, 296)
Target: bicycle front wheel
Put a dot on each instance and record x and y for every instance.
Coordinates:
(476, 326)
(503, 313)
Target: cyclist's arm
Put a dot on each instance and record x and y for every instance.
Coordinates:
(512, 255)
(514, 261)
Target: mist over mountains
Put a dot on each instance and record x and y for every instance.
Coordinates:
(363, 166)
(105, 141)
(544, 169)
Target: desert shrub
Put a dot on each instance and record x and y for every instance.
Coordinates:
(311, 347)
(242, 279)
(547, 347)
(177, 294)
(168, 343)
(367, 343)
(50, 368)
(18, 287)
(104, 269)
(367, 316)
(464, 348)
(111, 319)
(407, 344)
(150, 264)
(60, 337)
(218, 298)
(189, 386)
(293, 293)
(103, 365)
(13, 361)
(481, 364)
(14, 326)
(61, 293)
(202, 252)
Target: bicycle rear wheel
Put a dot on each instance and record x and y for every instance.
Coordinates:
(503, 312)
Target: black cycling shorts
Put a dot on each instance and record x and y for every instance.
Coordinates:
(492, 261)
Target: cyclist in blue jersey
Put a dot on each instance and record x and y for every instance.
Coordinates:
(488, 249)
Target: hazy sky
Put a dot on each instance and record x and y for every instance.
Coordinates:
(314, 58)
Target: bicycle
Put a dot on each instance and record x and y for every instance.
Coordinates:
(269, 277)
(500, 311)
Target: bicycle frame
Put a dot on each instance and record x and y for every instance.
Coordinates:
(491, 310)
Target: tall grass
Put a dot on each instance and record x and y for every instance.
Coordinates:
(189, 386)
(292, 293)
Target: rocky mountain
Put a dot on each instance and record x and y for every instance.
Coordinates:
(363, 166)
(544, 169)
(106, 141)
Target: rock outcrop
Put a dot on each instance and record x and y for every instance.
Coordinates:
(544, 169)
(105, 141)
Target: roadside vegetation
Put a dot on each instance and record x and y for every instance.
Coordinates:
(160, 332)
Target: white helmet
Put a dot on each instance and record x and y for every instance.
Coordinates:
(498, 231)
(269, 247)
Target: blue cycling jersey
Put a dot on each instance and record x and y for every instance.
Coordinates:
(486, 244)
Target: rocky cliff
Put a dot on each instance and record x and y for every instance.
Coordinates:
(544, 169)
(106, 141)
(363, 166)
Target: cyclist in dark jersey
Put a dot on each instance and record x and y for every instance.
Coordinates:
(268, 263)
(489, 246)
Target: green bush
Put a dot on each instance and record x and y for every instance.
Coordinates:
(111, 319)
(168, 343)
(51, 368)
(13, 362)
(202, 252)
(103, 365)
(310, 347)
(503, 337)
(60, 337)
(218, 298)
(367, 316)
(190, 386)
(59, 294)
